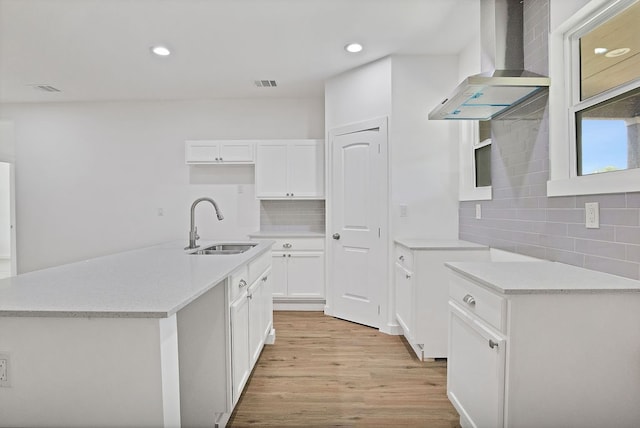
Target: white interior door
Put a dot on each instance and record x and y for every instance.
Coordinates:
(358, 189)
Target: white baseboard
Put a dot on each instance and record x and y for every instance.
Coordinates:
(295, 306)
(271, 337)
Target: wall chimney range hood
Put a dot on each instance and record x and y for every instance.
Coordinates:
(504, 83)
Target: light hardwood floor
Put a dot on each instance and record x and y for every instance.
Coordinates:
(323, 371)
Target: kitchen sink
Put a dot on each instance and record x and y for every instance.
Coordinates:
(224, 249)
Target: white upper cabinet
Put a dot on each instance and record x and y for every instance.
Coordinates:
(220, 152)
(290, 169)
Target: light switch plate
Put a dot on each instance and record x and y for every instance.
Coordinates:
(478, 211)
(4, 370)
(592, 215)
(403, 210)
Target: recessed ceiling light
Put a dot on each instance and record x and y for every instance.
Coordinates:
(617, 52)
(600, 51)
(353, 47)
(161, 50)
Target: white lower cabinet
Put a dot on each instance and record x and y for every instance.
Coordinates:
(251, 316)
(421, 290)
(557, 347)
(298, 280)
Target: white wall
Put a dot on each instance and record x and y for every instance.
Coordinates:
(424, 153)
(90, 177)
(359, 94)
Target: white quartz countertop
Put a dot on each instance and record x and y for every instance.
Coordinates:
(439, 244)
(152, 282)
(262, 234)
(542, 277)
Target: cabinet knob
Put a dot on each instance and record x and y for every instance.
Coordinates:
(284, 255)
(264, 278)
(401, 258)
(221, 159)
(287, 194)
(217, 158)
(408, 276)
(469, 300)
(292, 194)
(288, 255)
(336, 236)
(492, 344)
(242, 283)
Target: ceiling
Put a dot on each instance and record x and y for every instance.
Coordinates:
(100, 49)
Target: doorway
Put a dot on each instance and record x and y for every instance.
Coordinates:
(7, 229)
(358, 215)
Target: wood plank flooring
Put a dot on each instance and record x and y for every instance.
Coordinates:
(323, 371)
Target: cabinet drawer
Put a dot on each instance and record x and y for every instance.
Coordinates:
(478, 300)
(239, 281)
(404, 257)
(258, 265)
(298, 244)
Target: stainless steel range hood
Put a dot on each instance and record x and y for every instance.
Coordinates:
(504, 83)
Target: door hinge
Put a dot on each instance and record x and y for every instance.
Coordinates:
(378, 232)
(378, 148)
(378, 309)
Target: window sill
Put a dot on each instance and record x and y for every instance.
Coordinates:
(609, 182)
(476, 194)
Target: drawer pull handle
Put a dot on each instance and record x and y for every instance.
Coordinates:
(242, 283)
(287, 245)
(469, 300)
(492, 344)
(408, 276)
(401, 258)
(264, 279)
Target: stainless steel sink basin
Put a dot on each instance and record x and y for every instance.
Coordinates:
(224, 249)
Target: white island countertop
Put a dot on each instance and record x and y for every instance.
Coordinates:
(152, 282)
(542, 277)
(439, 244)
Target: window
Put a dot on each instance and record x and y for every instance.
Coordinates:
(595, 101)
(475, 161)
(482, 156)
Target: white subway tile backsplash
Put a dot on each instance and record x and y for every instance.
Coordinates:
(295, 215)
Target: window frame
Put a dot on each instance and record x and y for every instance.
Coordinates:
(564, 102)
(469, 142)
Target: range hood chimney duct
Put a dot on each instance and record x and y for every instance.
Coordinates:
(504, 82)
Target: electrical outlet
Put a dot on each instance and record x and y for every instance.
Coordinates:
(160, 212)
(403, 210)
(478, 211)
(592, 215)
(4, 370)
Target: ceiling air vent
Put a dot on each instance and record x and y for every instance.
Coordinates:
(45, 88)
(265, 83)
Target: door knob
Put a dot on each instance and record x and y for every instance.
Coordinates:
(336, 236)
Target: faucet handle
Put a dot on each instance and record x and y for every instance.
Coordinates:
(195, 234)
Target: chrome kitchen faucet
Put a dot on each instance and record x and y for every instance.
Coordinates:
(193, 232)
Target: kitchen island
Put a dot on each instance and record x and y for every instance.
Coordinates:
(543, 344)
(139, 338)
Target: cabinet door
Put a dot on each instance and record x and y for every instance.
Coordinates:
(236, 151)
(239, 345)
(306, 169)
(475, 369)
(279, 274)
(305, 274)
(256, 307)
(201, 152)
(404, 300)
(271, 170)
(267, 302)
